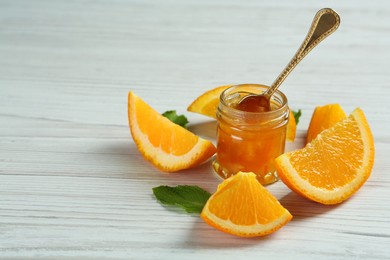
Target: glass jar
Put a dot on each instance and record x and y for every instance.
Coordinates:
(250, 141)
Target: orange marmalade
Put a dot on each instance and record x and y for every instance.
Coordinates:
(250, 141)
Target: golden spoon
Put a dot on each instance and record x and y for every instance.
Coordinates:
(325, 22)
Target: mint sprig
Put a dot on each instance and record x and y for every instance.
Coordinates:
(180, 120)
(297, 115)
(191, 198)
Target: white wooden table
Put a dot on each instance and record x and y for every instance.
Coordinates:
(72, 183)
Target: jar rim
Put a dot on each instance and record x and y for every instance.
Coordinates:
(278, 95)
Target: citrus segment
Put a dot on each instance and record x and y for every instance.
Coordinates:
(291, 128)
(243, 207)
(207, 104)
(168, 146)
(324, 117)
(334, 165)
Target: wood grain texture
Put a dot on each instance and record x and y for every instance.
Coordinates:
(72, 183)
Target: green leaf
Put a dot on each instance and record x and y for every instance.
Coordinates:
(297, 115)
(191, 198)
(179, 120)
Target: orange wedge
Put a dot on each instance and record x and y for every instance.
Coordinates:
(323, 118)
(334, 165)
(241, 206)
(168, 146)
(291, 128)
(207, 104)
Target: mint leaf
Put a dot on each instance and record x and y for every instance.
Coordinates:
(190, 198)
(179, 120)
(297, 115)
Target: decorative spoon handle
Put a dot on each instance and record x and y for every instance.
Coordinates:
(325, 22)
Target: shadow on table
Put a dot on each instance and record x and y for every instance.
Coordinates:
(204, 236)
(302, 208)
(202, 175)
(207, 130)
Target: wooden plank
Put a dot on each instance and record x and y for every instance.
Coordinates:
(72, 183)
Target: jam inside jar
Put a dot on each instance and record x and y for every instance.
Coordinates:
(250, 141)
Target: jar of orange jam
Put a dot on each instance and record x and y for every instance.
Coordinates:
(250, 141)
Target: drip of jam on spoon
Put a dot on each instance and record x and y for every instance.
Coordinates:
(325, 22)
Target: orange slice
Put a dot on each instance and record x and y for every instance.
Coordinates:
(334, 165)
(168, 146)
(241, 206)
(291, 128)
(207, 104)
(323, 118)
